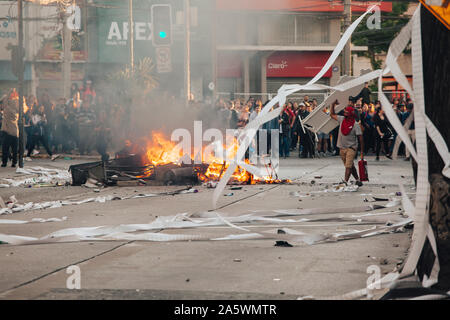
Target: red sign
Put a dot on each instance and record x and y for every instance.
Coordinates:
(299, 5)
(304, 64)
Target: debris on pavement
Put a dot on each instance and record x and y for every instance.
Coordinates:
(211, 184)
(39, 175)
(13, 205)
(283, 244)
(380, 199)
(34, 220)
(92, 183)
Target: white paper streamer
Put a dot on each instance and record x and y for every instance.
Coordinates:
(283, 92)
(422, 196)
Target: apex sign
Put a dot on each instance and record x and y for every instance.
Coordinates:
(119, 31)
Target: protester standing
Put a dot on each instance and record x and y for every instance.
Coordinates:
(38, 124)
(349, 134)
(85, 119)
(10, 129)
(383, 133)
(411, 129)
(285, 126)
(365, 94)
(306, 140)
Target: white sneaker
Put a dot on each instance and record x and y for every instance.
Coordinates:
(35, 152)
(28, 159)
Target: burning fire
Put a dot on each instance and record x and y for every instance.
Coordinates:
(161, 151)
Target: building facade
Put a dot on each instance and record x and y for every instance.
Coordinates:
(243, 47)
(263, 44)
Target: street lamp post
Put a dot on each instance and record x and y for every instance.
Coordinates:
(347, 49)
(187, 62)
(67, 57)
(131, 29)
(20, 76)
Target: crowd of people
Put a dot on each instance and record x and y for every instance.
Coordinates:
(85, 123)
(378, 133)
(79, 125)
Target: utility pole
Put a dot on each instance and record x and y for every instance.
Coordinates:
(347, 58)
(187, 60)
(214, 49)
(131, 28)
(67, 56)
(20, 76)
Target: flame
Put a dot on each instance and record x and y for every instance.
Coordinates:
(161, 151)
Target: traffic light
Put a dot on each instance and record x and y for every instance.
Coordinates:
(162, 25)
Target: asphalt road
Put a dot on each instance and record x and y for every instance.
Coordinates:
(236, 269)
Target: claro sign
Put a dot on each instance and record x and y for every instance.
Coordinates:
(282, 65)
(303, 64)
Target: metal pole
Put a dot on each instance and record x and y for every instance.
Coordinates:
(131, 28)
(347, 49)
(21, 89)
(67, 57)
(214, 50)
(187, 61)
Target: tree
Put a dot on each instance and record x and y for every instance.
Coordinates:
(378, 40)
(139, 81)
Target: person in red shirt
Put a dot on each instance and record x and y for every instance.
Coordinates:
(88, 90)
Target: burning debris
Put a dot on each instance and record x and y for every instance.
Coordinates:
(161, 161)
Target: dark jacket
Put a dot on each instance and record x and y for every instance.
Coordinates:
(285, 124)
(297, 125)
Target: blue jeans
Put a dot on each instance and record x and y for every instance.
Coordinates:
(284, 145)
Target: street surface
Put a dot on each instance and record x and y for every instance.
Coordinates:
(236, 269)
